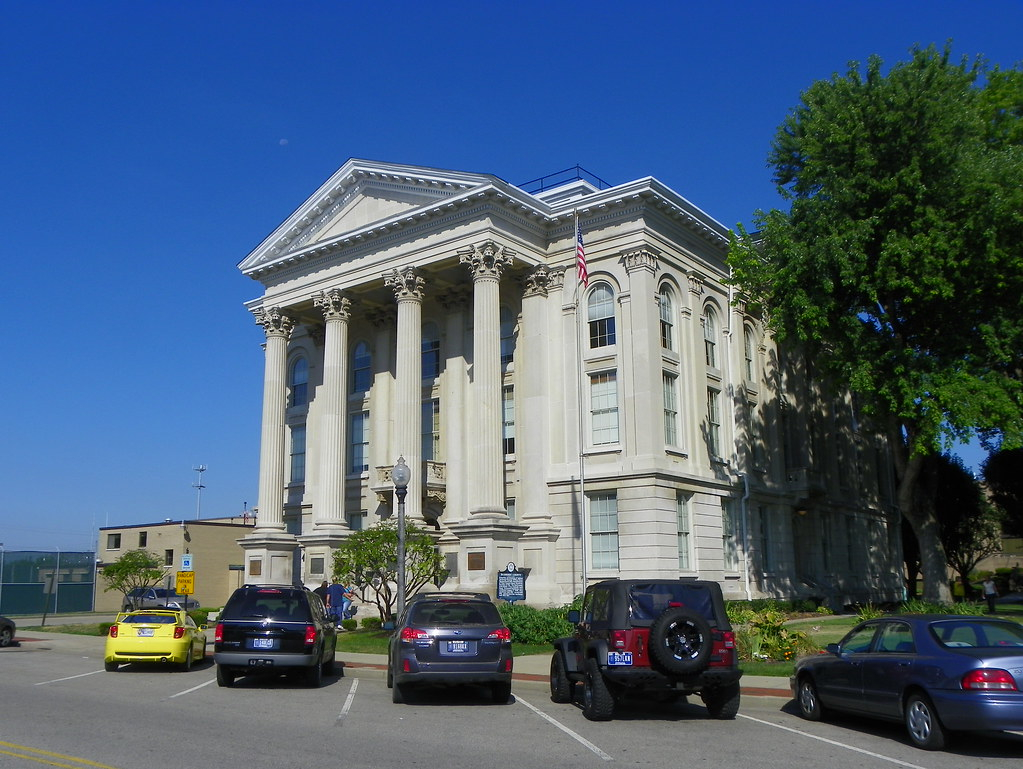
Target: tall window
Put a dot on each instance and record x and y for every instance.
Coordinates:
(729, 535)
(601, 316)
(710, 336)
(357, 520)
(604, 531)
(508, 418)
(362, 368)
(358, 442)
(748, 346)
(431, 430)
(684, 529)
(143, 538)
(667, 311)
(713, 423)
(507, 337)
(669, 387)
(299, 381)
(298, 454)
(603, 408)
(431, 351)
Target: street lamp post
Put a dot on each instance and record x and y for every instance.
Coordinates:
(400, 475)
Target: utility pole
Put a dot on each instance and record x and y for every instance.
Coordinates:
(198, 490)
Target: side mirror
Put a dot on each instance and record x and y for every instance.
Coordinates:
(573, 616)
(833, 649)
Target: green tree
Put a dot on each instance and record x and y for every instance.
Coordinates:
(897, 268)
(369, 558)
(1003, 474)
(134, 569)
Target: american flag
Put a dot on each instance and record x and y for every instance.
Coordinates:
(580, 256)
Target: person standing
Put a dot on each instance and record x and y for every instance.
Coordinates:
(990, 594)
(321, 591)
(336, 601)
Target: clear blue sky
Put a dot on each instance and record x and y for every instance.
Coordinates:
(147, 147)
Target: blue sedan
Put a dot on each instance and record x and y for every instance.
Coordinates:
(935, 673)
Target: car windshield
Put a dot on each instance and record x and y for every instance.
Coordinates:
(150, 619)
(977, 634)
(454, 613)
(650, 601)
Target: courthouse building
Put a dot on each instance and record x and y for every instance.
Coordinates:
(638, 423)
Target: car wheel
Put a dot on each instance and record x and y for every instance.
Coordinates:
(187, 664)
(224, 676)
(922, 723)
(680, 641)
(501, 692)
(390, 679)
(6, 636)
(722, 701)
(314, 675)
(810, 706)
(204, 652)
(561, 687)
(110, 667)
(598, 704)
(398, 693)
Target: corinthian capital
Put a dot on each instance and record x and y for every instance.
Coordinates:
(333, 304)
(405, 282)
(537, 281)
(487, 260)
(275, 322)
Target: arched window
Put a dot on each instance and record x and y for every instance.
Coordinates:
(362, 368)
(748, 346)
(710, 336)
(507, 337)
(298, 379)
(667, 311)
(431, 351)
(601, 316)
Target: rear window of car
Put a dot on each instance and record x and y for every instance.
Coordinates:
(283, 605)
(455, 613)
(977, 634)
(647, 602)
(150, 619)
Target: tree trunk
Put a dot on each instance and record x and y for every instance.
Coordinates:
(933, 563)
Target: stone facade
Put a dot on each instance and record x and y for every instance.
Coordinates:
(642, 424)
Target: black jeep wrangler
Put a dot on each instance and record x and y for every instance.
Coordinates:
(661, 638)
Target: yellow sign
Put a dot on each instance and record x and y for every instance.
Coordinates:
(185, 583)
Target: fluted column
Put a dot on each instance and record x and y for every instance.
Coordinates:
(486, 263)
(408, 373)
(278, 328)
(329, 511)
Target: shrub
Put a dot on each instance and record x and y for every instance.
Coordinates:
(350, 624)
(372, 623)
(869, 611)
(529, 625)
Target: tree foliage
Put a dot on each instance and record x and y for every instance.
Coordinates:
(1003, 474)
(369, 559)
(134, 569)
(898, 266)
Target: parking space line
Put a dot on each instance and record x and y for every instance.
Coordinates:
(348, 703)
(67, 678)
(189, 691)
(566, 730)
(46, 757)
(837, 744)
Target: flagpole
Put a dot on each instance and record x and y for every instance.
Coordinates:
(582, 279)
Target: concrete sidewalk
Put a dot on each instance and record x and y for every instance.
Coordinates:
(532, 669)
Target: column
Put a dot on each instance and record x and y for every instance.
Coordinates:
(272, 450)
(642, 359)
(486, 262)
(408, 373)
(329, 510)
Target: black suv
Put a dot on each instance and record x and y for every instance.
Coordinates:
(662, 638)
(274, 629)
(450, 638)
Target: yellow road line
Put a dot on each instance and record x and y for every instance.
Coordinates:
(46, 757)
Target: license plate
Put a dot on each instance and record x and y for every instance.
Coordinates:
(619, 658)
(262, 643)
(261, 663)
(454, 647)
(145, 632)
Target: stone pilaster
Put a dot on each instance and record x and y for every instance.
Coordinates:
(641, 358)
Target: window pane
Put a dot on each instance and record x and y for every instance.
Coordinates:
(682, 518)
(604, 531)
(431, 430)
(362, 363)
(359, 442)
(668, 384)
(601, 315)
(299, 382)
(508, 409)
(431, 351)
(667, 319)
(604, 408)
(298, 454)
(710, 337)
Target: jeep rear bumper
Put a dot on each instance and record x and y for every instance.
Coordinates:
(647, 678)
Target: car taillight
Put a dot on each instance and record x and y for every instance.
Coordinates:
(218, 634)
(989, 679)
(179, 631)
(722, 652)
(410, 634)
(618, 640)
(113, 631)
(503, 634)
(310, 635)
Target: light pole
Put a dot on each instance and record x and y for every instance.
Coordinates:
(198, 490)
(400, 475)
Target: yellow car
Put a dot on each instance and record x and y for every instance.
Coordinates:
(154, 635)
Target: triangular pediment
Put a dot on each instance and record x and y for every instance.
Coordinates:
(359, 196)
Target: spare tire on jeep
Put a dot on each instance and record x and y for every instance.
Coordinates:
(680, 641)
